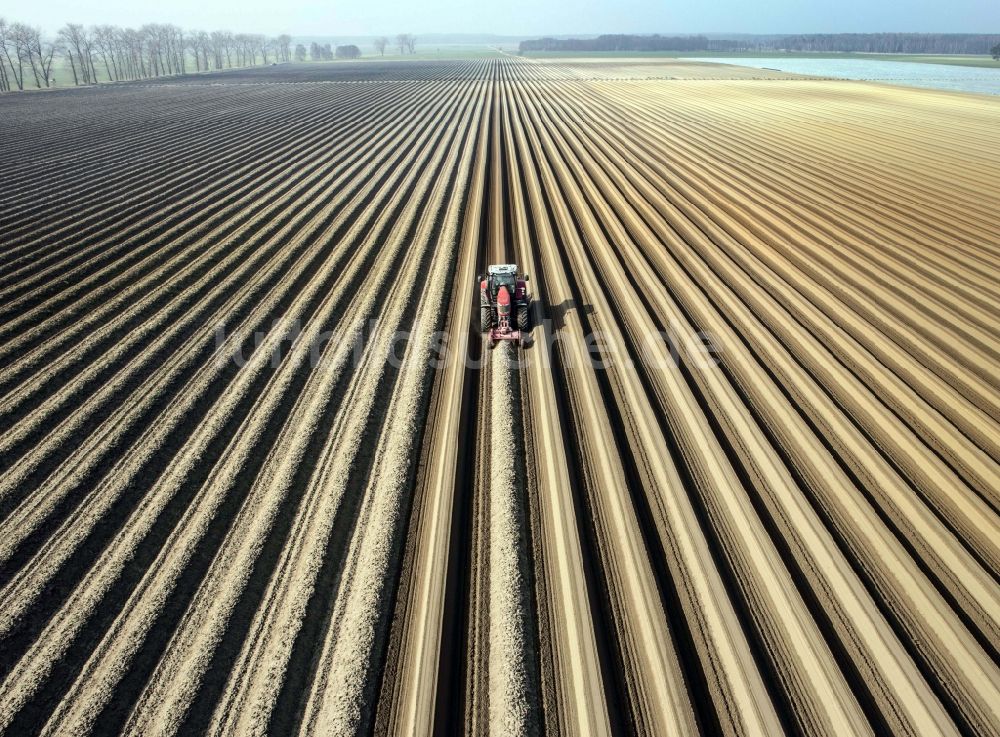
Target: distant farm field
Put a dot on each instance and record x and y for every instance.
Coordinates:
(262, 474)
(970, 60)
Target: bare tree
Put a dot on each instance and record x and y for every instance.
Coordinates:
(223, 45)
(197, 42)
(22, 46)
(4, 79)
(40, 53)
(207, 48)
(104, 42)
(88, 55)
(283, 47)
(154, 50)
(406, 42)
(179, 48)
(380, 43)
(265, 46)
(218, 39)
(240, 44)
(134, 45)
(72, 37)
(228, 47)
(9, 53)
(124, 52)
(16, 51)
(166, 48)
(300, 52)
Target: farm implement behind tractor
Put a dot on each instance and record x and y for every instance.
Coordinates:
(504, 304)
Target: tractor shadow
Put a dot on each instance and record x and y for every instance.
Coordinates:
(557, 312)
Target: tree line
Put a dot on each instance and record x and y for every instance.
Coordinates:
(889, 43)
(326, 52)
(154, 50)
(627, 42)
(876, 43)
(405, 42)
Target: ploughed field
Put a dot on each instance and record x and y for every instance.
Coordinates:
(259, 474)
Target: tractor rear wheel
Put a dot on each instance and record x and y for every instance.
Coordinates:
(523, 320)
(485, 318)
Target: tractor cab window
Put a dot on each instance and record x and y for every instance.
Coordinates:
(503, 280)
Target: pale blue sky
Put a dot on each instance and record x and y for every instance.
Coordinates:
(525, 17)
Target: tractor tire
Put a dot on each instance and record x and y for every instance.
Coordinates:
(485, 318)
(523, 319)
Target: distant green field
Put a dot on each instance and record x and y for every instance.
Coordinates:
(953, 60)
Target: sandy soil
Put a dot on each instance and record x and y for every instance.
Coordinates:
(797, 533)
(509, 700)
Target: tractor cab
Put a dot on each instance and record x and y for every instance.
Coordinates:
(501, 275)
(504, 303)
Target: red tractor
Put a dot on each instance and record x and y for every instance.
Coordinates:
(504, 303)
